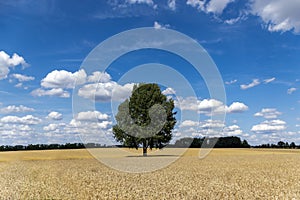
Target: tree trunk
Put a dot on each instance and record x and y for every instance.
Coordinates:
(144, 148)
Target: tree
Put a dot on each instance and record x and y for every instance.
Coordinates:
(280, 144)
(146, 119)
(293, 145)
(245, 144)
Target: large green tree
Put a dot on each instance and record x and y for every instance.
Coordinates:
(145, 119)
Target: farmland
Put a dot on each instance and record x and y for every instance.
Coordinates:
(223, 174)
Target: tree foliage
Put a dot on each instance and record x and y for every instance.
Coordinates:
(222, 142)
(145, 119)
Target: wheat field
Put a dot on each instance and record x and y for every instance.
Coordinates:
(223, 174)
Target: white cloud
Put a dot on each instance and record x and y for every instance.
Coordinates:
(59, 92)
(268, 113)
(199, 4)
(55, 115)
(54, 127)
(209, 106)
(278, 15)
(59, 80)
(64, 79)
(28, 119)
(233, 130)
(19, 85)
(272, 126)
(266, 81)
(212, 124)
(291, 90)
(254, 83)
(103, 92)
(237, 107)
(7, 62)
(217, 6)
(22, 78)
(230, 82)
(157, 25)
(94, 120)
(188, 103)
(188, 123)
(169, 91)
(91, 116)
(234, 20)
(148, 2)
(16, 109)
(212, 6)
(102, 77)
(172, 4)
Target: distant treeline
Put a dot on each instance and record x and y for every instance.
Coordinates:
(50, 146)
(280, 144)
(222, 142)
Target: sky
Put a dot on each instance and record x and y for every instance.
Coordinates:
(48, 94)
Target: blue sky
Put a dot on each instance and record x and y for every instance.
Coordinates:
(255, 45)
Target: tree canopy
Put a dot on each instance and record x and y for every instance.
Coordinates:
(145, 119)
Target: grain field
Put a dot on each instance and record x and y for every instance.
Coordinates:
(223, 174)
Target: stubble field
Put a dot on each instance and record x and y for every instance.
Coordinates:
(223, 174)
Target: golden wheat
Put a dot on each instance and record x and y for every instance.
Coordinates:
(223, 174)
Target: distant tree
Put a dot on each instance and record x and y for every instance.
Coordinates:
(280, 144)
(286, 145)
(292, 145)
(185, 142)
(146, 119)
(245, 144)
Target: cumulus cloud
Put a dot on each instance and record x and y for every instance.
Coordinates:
(59, 92)
(15, 109)
(64, 79)
(233, 130)
(209, 106)
(268, 113)
(91, 116)
(278, 15)
(217, 6)
(291, 90)
(212, 124)
(254, 83)
(28, 119)
(169, 91)
(199, 4)
(172, 4)
(271, 126)
(55, 115)
(94, 120)
(102, 77)
(188, 123)
(157, 25)
(22, 78)
(7, 62)
(98, 85)
(104, 92)
(237, 107)
(212, 128)
(54, 127)
(212, 6)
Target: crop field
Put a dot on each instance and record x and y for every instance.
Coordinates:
(223, 174)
